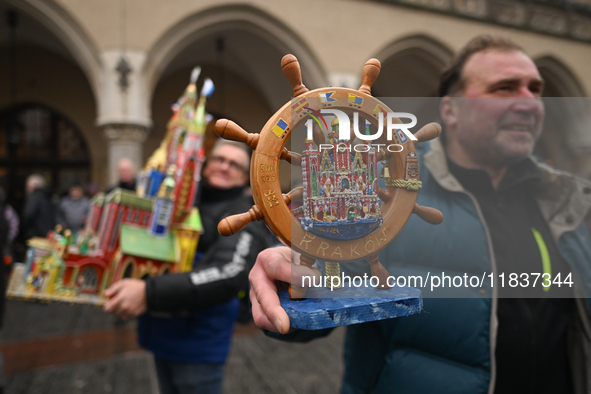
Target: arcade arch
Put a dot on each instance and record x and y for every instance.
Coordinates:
(565, 142)
(254, 43)
(48, 25)
(411, 67)
(410, 75)
(240, 49)
(50, 63)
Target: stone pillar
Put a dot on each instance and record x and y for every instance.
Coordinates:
(575, 120)
(123, 109)
(125, 141)
(345, 80)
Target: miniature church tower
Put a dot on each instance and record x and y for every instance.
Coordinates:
(190, 157)
(340, 196)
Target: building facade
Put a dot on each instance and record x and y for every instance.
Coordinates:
(85, 83)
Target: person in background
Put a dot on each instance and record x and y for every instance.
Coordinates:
(39, 213)
(74, 208)
(127, 173)
(8, 231)
(506, 212)
(190, 316)
(13, 222)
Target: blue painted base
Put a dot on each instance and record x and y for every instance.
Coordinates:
(354, 305)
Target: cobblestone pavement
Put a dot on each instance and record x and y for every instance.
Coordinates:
(258, 364)
(72, 349)
(131, 373)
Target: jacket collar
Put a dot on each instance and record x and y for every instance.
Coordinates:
(436, 162)
(564, 199)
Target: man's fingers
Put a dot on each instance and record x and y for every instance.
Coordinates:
(113, 305)
(271, 265)
(259, 316)
(268, 300)
(278, 266)
(127, 298)
(113, 289)
(302, 275)
(276, 263)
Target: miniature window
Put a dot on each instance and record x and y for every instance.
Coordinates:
(128, 270)
(90, 278)
(115, 233)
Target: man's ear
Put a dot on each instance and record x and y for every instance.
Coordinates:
(449, 111)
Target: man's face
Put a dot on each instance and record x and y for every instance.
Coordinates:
(126, 171)
(501, 116)
(76, 192)
(226, 168)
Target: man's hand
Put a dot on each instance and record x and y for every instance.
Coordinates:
(271, 273)
(127, 298)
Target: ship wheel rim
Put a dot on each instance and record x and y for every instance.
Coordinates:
(267, 194)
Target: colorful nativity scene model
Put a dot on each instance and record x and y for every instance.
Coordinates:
(339, 214)
(128, 235)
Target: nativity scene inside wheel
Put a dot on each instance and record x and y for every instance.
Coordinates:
(341, 143)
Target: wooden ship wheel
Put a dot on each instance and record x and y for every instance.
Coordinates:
(398, 201)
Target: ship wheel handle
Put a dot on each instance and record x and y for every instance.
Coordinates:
(231, 131)
(233, 224)
(371, 70)
(428, 132)
(291, 69)
(428, 214)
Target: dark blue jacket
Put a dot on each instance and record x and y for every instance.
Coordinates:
(450, 347)
(192, 314)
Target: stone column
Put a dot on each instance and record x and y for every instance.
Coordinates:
(125, 141)
(574, 119)
(344, 79)
(123, 109)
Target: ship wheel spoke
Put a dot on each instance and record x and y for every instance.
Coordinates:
(295, 159)
(232, 224)
(428, 132)
(370, 73)
(231, 131)
(317, 135)
(291, 69)
(294, 195)
(428, 214)
(385, 195)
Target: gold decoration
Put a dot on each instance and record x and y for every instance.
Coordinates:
(410, 184)
(333, 271)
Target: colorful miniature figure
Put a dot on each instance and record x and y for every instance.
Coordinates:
(163, 206)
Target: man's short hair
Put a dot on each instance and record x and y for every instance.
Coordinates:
(35, 181)
(125, 162)
(451, 80)
(77, 184)
(222, 141)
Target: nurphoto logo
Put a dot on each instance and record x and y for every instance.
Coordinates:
(401, 129)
